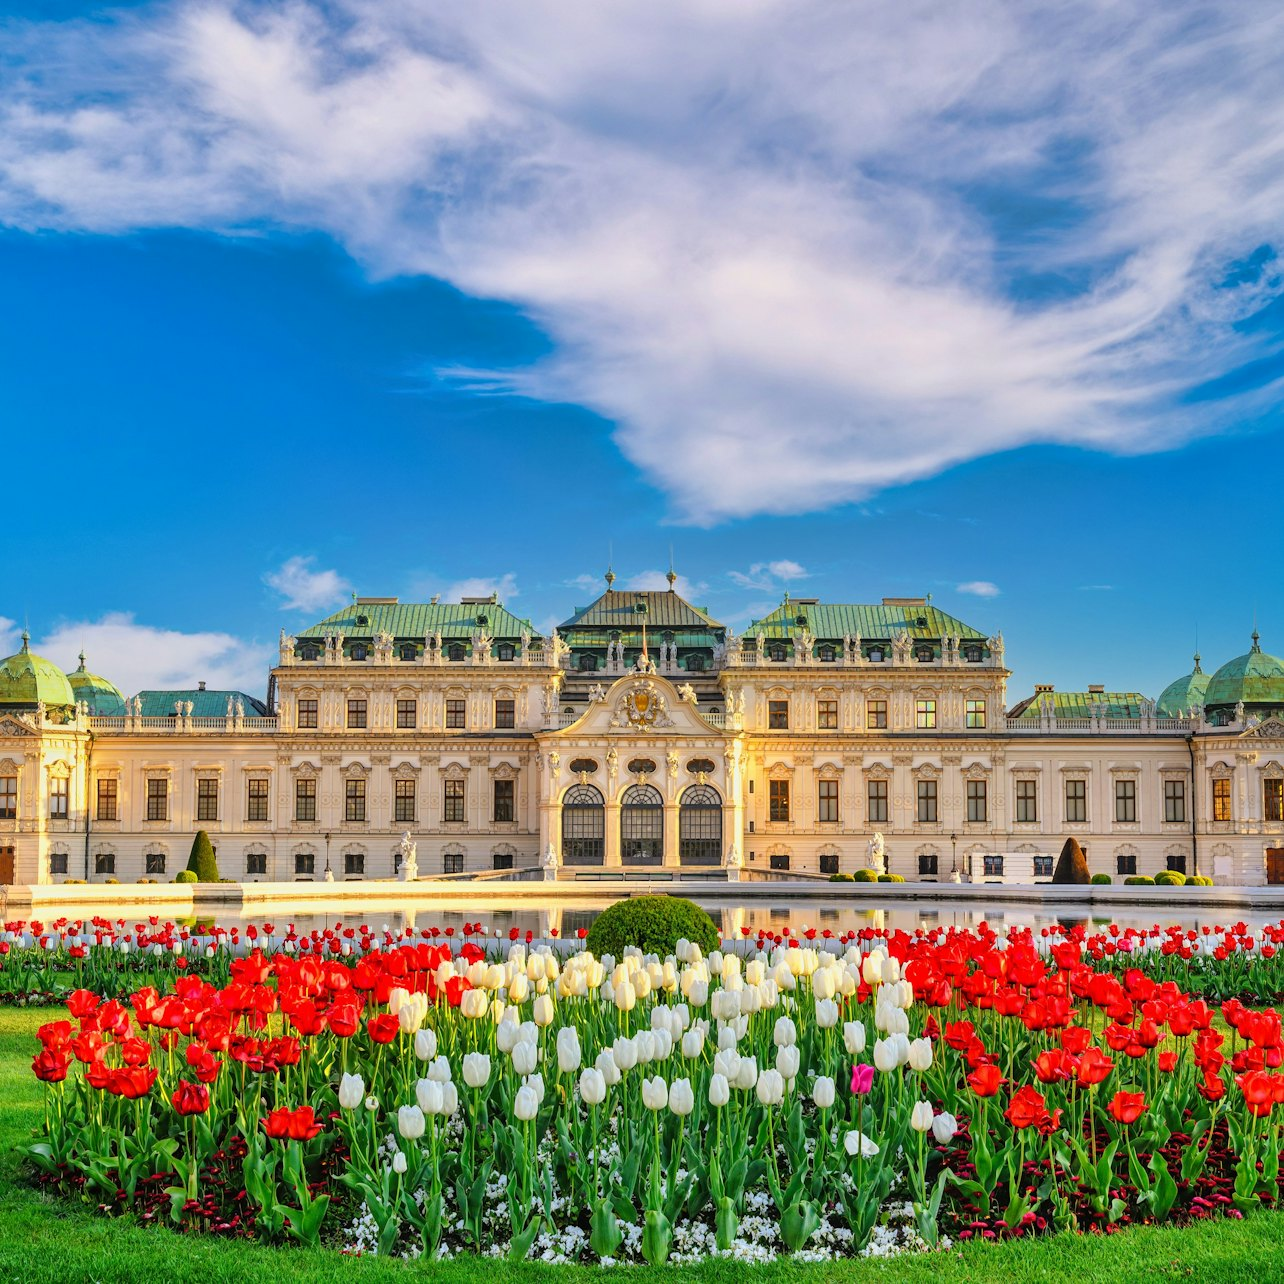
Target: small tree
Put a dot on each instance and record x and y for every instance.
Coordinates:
(201, 862)
(1072, 865)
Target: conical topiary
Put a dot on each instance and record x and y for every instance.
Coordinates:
(201, 862)
(1072, 865)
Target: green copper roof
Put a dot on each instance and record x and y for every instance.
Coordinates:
(1185, 693)
(29, 679)
(105, 699)
(1255, 678)
(835, 620)
(418, 620)
(1079, 704)
(618, 609)
(205, 704)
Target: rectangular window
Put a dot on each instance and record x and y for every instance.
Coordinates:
(778, 715)
(456, 715)
(993, 864)
(502, 860)
(975, 715)
(1176, 861)
(927, 802)
(779, 862)
(305, 799)
(827, 715)
(876, 715)
(452, 863)
(155, 862)
(58, 862)
(925, 715)
(828, 863)
(1126, 863)
(354, 865)
(158, 799)
(504, 799)
(207, 799)
(108, 800)
(453, 801)
(307, 715)
(356, 714)
(827, 802)
(505, 715)
(1043, 866)
(927, 864)
(407, 714)
(1125, 801)
(256, 799)
(8, 797)
(977, 802)
(1027, 801)
(256, 863)
(778, 799)
(1273, 799)
(877, 797)
(354, 800)
(105, 863)
(404, 802)
(1222, 799)
(1076, 800)
(1174, 801)
(58, 798)
(305, 864)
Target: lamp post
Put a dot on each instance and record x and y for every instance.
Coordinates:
(954, 854)
(327, 853)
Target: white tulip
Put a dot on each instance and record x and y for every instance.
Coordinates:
(747, 1073)
(785, 1034)
(884, 1055)
(449, 1098)
(788, 1062)
(626, 997)
(871, 969)
(693, 1043)
(606, 1067)
(625, 1052)
(727, 1062)
(663, 1044)
(476, 1069)
(655, 1093)
(698, 994)
(854, 1037)
(592, 1086)
(719, 1091)
(425, 1044)
(728, 1036)
(826, 1014)
(568, 1049)
(944, 1126)
(823, 1092)
(352, 1091)
(439, 1070)
(921, 1116)
(543, 1012)
(770, 1088)
(681, 1097)
(525, 1057)
(857, 1143)
(428, 1094)
(920, 1054)
(411, 1122)
(536, 1083)
(399, 1164)
(900, 1041)
(519, 988)
(507, 1033)
(645, 1041)
(526, 1103)
(824, 984)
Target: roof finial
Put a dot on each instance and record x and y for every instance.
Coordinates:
(1197, 658)
(671, 576)
(82, 659)
(610, 578)
(1256, 641)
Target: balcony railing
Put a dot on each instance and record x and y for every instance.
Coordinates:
(174, 725)
(1100, 726)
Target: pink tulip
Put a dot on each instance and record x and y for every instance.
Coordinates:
(862, 1079)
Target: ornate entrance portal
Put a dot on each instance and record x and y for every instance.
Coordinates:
(642, 826)
(583, 827)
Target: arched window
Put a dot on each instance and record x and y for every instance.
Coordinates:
(505, 653)
(583, 826)
(408, 651)
(700, 826)
(455, 652)
(642, 826)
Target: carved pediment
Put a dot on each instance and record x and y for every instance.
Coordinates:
(1271, 729)
(639, 705)
(14, 724)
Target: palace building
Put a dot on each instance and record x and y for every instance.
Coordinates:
(641, 736)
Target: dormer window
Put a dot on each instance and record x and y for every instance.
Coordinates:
(359, 652)
(778, 653)
(455, 652)
(309, 653)
(876, 655)
(972, 654)
(695, 663)
(924, 654)
(825, 654)
(588, 662)
(505, 652)
(408, 651)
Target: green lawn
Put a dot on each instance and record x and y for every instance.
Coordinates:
(43, 1239)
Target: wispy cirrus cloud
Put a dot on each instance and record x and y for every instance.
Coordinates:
(795, 251)
(765, 575)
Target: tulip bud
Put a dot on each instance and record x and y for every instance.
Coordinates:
(785, 1034)
(854, 1037)
(519, 988)
(921, 1116)
(626, 997)
(944, 1126)
(351, 1091)
(592, 1086)
(884, 1055)
(507, 1033)
(625, 1052)
(525, 1056)
(920, 1054)
(826, 1014)
(871, 969)
(606, 1067)
(645, 1041)
(476, 1069)
(788, 1061)
(425, 1044)
(747, 1073)
(568, 1049)
(681, 1097)
(719, 1091)
(822, 1092)
(655, 1093)
(770, 1088)
(693, 1043)
(526, 1103)
(428, 1094)
(411, 1122)
(543, 1012)
(399, 1163)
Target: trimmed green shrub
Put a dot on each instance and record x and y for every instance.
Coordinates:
(186, 876)
(891, 878)
(654, 924)
(1200, 880)
(841, 878)
(111, 880)
(1072, 865)
(864, 876)
(1170, 878)
(201, 862)
(1139, 880)
(1101, 878)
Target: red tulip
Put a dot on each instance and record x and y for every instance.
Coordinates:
(985, 1080)
(1027, 1108)
(383, 1028)
(1093, 1067)
(50, 1066)
(190, 1098)
(294, 1125)
(1127, 1106)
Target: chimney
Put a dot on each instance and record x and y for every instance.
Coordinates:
(1096, 688)
(1040, 688)
(200, 686)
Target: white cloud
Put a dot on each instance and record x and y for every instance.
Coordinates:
(9, 636)
(657, 582)
(139, 657)
(504, 586)
(763, 575)
(797, 251)
(979, 588)
(305, 589)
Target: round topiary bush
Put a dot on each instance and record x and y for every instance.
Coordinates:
(186, 876)
(1139, 880)
(891, 878)
(1101, 878)
(654, 924)
(1170, 878)
(864, 876)
(1200, 880)
(841, 878)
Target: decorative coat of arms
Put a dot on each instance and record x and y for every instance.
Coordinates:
(641, 708)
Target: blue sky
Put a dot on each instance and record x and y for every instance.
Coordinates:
(420, 298)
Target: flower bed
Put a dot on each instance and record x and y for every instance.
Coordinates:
(823, 1097)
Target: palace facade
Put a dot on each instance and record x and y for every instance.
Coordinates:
(642, 734)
